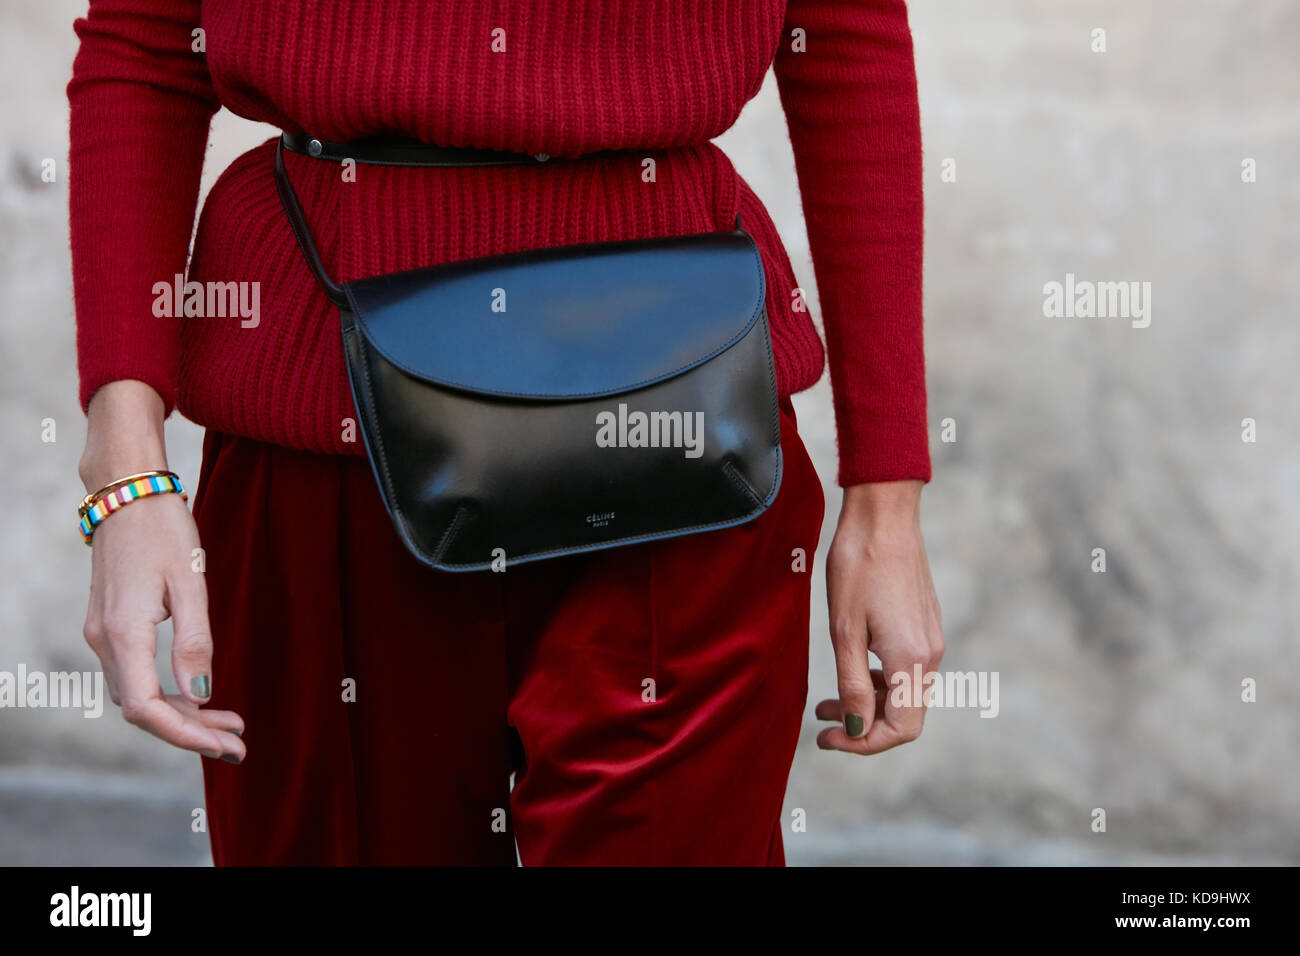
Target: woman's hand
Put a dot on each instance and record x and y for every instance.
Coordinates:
(142, 572)
(881, 599)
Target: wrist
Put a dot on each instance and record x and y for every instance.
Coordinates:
(102, 468)
(883, 507)
(124, 434)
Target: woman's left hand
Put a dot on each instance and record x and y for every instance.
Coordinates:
(881, 599)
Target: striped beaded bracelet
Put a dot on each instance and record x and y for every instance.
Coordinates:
(97, 506)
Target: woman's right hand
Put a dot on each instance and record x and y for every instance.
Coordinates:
(144, 569)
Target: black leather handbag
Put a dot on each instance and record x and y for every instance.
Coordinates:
(543, 403)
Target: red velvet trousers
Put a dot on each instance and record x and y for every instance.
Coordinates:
(647, 699)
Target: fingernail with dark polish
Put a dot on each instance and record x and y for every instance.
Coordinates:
(230, 758)
(854, 725)
(200, 686)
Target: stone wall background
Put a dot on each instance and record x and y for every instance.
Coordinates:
(1119, 690)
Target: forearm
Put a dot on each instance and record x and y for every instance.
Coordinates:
(851, 102)
(140, 101)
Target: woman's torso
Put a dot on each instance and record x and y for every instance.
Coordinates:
(655, 80)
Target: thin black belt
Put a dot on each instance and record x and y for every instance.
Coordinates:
(381, 151)
(399, 151)
(386, 151)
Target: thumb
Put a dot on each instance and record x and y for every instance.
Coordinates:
(853, 672)
(191, 637)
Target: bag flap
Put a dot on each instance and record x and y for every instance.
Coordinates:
(566, 322)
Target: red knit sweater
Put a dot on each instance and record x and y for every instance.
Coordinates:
(659, 77)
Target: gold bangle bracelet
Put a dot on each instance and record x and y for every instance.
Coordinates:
(88, 502)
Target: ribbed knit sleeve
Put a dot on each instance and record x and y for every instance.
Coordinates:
(141, 101)
(850, 100)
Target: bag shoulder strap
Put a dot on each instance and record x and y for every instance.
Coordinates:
(298, 223)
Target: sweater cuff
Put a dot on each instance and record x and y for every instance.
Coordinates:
(154, 367)
(878, 445)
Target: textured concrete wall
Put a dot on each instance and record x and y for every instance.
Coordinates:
(1119, 690)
